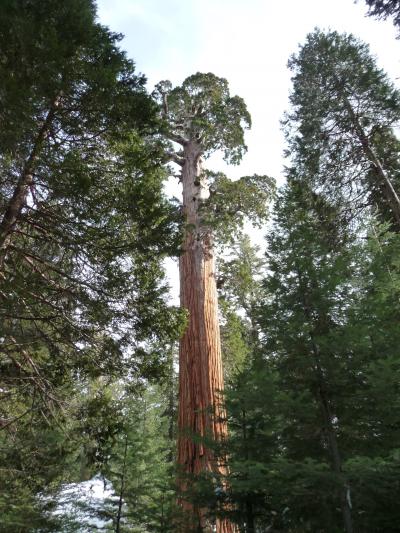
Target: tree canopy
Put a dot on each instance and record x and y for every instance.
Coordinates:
(202, 110)
(307, 328)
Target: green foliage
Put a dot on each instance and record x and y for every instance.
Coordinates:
(231, 203)
(311, 352)
(239, 287)
(384, 9)
(200, 117)
(49, 52)
(202, 109)
(342, 106)
(81, 277)
(313, 414)
(33, 456)
(323, 287)
(234, 340)
(375, 480)
(141, 466)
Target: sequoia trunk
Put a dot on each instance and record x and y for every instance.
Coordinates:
(200, 365)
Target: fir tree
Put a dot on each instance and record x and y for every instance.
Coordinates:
(340, 128)
(83, 229)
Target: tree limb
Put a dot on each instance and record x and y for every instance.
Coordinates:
(175, 158)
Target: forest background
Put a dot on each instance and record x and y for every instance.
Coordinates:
(309, 331)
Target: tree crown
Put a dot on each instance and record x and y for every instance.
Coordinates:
(202, 110)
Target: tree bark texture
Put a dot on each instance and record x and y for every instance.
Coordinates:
(200, 364)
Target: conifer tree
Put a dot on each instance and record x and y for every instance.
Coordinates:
(239, 290)
(141, 468)
(340, 128)
(200, 118)
(310, 264)
(84, 224)
(326, 340)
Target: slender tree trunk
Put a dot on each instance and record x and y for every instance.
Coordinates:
(344, 491)
(122, 489)
(337, 462)
(248, 504)
(200, 364)
(387, 186)
(18, 199)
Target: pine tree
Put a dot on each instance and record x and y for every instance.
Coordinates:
(83, 229)
(340, 128)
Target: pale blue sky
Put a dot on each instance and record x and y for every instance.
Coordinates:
(246, 41)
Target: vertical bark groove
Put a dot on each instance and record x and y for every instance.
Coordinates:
(200, 363)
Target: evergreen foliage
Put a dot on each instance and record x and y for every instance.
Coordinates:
(313, 416)
(384, 9)
(202, 110)
(310, 332)
(84, 227)
(340, 127)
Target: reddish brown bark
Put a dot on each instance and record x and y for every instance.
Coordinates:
(200, 364)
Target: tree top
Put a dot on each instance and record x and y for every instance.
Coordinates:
(202, 111)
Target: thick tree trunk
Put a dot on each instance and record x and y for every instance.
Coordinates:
(200, 365)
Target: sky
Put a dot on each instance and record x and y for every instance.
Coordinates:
(248, 42)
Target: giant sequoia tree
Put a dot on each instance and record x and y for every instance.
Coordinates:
(201, 117)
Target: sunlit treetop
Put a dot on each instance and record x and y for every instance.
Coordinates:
(202, 111)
